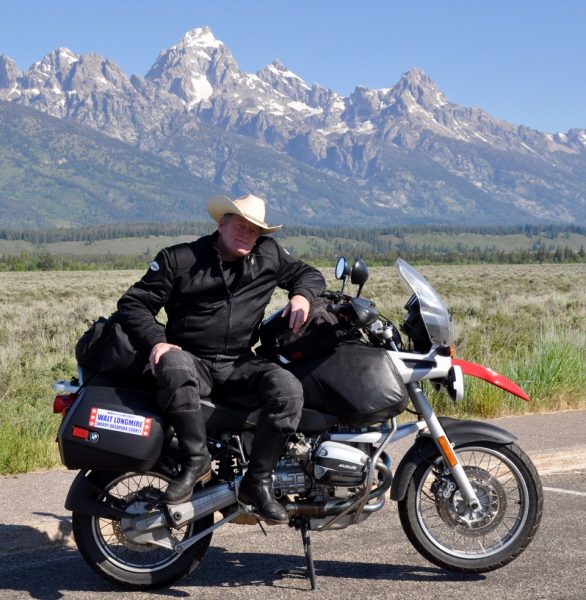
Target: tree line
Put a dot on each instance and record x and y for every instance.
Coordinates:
(372, 235)
(416, 254)
(321, 246)
(96, 233)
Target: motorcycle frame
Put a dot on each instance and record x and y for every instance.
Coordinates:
(413, 368)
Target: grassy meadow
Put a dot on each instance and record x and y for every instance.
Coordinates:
(525, 321)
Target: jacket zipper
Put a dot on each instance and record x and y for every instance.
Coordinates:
(229, 303)
(228, 321)
(250, 259)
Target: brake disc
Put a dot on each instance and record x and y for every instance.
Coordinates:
(454, 511)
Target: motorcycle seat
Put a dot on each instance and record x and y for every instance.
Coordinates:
(226, 416)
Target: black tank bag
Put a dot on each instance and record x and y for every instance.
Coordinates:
(354, 381)
(340, 375)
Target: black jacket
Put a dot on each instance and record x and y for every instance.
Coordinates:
(205, 317)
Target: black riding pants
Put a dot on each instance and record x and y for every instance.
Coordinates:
(183, 379)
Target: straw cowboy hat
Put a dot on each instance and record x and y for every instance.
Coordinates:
(248, 206)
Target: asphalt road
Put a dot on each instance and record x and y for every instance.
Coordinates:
(373, 559)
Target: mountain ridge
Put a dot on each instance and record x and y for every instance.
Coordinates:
(398, 154)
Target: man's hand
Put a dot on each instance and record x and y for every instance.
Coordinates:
(158, 351)
(297, 309)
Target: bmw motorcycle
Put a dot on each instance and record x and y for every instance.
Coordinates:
(469, 499)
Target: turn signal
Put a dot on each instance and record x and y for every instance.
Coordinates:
(447, 451)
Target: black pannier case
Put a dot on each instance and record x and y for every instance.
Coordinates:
(112, 429)
(358, 383)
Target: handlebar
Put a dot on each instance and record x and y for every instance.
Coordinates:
(359, 310)
(362, 313)
(342, 309)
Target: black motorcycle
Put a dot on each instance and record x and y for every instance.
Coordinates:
(469, 498)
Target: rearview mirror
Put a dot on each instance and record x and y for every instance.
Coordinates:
(359, 273)
(342, 268)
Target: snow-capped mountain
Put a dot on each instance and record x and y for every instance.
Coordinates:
(410, 154)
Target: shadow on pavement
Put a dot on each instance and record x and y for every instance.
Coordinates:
(254, 569)
(218, 569)
(14, 538)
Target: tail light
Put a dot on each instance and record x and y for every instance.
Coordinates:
(63, 402)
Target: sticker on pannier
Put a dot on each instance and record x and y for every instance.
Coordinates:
(101, 418)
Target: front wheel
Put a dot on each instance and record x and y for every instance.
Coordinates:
(131, 563)
(448, 533)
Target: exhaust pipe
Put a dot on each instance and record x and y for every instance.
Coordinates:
(311, 509)
(204, 502)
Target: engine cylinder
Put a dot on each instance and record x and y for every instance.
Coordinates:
(340, 464)
(288, 479)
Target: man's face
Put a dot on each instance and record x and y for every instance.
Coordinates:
(237, 237)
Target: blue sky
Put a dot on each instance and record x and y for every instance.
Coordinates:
(521, 61)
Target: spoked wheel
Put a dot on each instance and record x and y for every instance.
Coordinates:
(447, 532)
(125, 557)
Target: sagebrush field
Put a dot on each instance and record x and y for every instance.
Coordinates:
(525, 321)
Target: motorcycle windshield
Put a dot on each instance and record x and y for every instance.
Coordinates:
(435, 315)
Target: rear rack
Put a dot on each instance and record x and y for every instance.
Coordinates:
(65, 387)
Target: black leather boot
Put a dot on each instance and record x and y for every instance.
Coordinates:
(196, 465)
(256, 487)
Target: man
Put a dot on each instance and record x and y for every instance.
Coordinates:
(215, 291)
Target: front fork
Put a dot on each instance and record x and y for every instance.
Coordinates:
(443, 444)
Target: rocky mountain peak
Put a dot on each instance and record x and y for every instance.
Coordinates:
(64, 56)
(9, 72)
(43, 83)
(363, 103)
(415, 97)
(201, 37)
(194, 67)
(281, 79)
(416, 76)
(95, 72)
(58, 62)
(416, 87)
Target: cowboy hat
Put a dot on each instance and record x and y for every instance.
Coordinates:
(248, 206)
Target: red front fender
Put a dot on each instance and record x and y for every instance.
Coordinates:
(491, 376)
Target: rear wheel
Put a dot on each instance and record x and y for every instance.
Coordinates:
(129, 561)
(444, 530)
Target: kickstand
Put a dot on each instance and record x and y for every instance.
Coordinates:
(262, 528)
(308, 555)
(302, 524)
